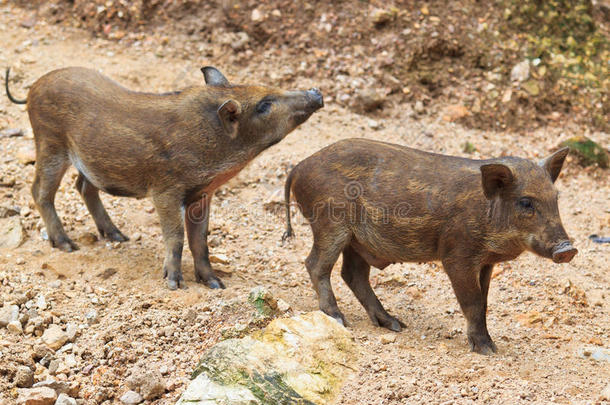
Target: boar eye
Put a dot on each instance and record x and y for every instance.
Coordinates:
(263, 107)
(526, 203)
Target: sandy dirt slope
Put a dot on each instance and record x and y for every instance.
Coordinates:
(541, 315)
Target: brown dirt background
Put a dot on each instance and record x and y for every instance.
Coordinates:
(541, 314)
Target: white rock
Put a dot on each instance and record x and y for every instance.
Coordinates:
(54, 337)
(374, 124)
(71, 331)
(521, 71)
(15, 327)
(256, 16)
(36, 396)
(64, 399)
(11, 232)
(8, 314)
(41, 303)
(282, 305)
(131, 398)
(605, 394)
(387, 338)
(219, 258)
(70, 361)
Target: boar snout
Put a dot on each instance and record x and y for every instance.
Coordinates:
(315, 97)
(563, 252)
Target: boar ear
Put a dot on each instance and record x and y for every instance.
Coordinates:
(213, 77)
(228, 113)
(495, 177)
(553, 163)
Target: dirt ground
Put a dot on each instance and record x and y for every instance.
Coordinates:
(546, 318)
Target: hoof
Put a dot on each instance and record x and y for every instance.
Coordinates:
(287, 235)
(482, 345)
(174, 285)
(114, 236)
(210, 280)
(65, 244)
(215, 283)
(387, 321)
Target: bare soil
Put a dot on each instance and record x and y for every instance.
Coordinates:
(541, 315)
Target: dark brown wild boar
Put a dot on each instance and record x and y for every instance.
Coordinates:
(176, 148)
(379, 203)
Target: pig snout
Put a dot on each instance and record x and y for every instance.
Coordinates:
(563, 252)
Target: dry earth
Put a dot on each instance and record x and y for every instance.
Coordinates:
(542, 315)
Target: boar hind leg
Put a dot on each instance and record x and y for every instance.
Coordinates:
(355, 272)
(92, 200)
(196, 218)
(50, 168)
(324, 253)
(471, 284)
(169, 209)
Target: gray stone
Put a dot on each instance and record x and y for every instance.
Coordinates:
(8, 211)
(304, 359)
(11, 232)
(370, 99)
(596, 353)
(24, 377)
(131, 398)
(11, 132)
(149, 383)
(91, 317)
(60, 387)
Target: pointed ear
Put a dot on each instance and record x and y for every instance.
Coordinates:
(553, 163)
(228, 113)
(213, 77)
(495, 178)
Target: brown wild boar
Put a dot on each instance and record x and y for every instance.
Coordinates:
(379, 204)
(176, 148)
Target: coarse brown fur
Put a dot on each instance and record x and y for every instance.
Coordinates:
(176, 147)
(379, 203)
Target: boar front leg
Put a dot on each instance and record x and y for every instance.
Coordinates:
(196, 218)
(169, 209)
(471, 285)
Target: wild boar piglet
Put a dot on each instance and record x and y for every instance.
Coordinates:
(177, 148)
(379, 203)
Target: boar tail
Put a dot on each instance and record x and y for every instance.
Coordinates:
(8, 93)
(287, 188)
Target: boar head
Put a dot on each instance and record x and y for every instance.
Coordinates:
(523, 207)
(260, 115)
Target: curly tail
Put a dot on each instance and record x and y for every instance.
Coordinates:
(8, 93)
(287, 188)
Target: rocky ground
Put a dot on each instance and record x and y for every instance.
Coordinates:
(97, 323)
